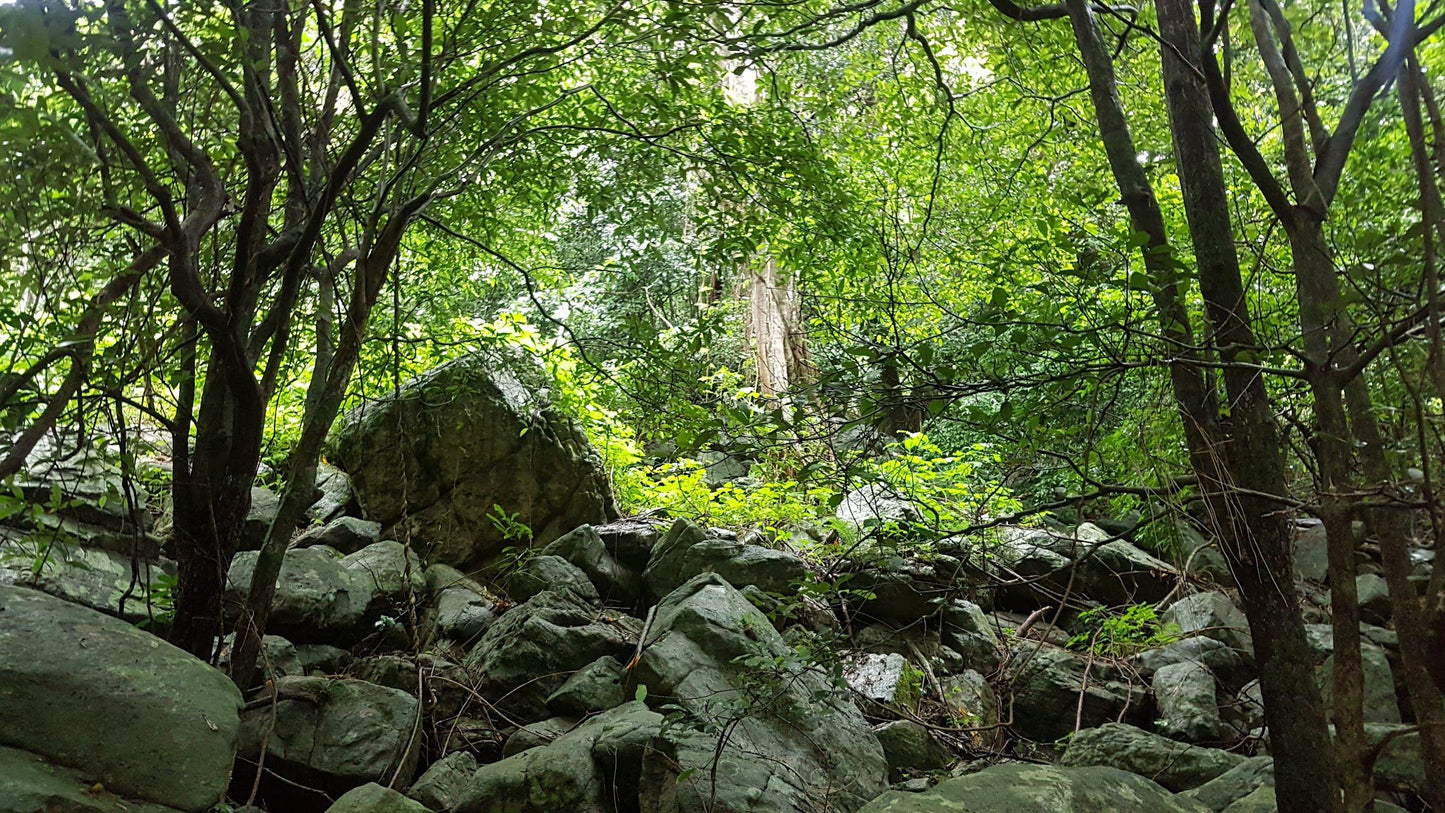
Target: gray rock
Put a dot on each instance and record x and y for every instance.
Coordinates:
(915, 785)
(29, 784)
(970, 633)
(1211, 615)
(1381, 705)
(529, 652)
(373, 798)
(121, 706)
(99, 579)
(1199, 557)
(1259, 800)
(391, 573)
(631, 540)
(971, 700)
(442, 786)
(902, 591)
(333, 490)
(875, 677)
(335, 734)
(910, 748)
(442, 682)
(1016, 788)
(461, 610)
(534, 735)
(1374, 597)
(720, 468)
(1400, 767)
(1175, 765)
(346, 534)
(463, 438)
(317, 599)
(876, 504)
(584, 548)
(279, 657)
(264, 506)
(1110, 572)
(1231, 666)
(1185, 694)
(541, 573)
(797, 608)
(688, 551)
(598, 686)
(1234, 784)
(612, 756)
(89, 481)
(806, 746)
(322, 659)
(324, 597)
(1311, 551)
(1047, 685)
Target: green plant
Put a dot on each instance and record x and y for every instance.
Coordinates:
(161, 594)
(1114, 634)
(509, 525)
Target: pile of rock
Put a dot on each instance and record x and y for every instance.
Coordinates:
(633, 665)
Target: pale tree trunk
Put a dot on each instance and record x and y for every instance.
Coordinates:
(775, 330)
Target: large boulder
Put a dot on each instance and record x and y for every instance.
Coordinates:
(687, 550)
(909, 747)
(432, 463)
(531, 650)
(460, 609)
(443, 785)
(1175, 765)
(972, 634)
(1380, 703)
(618, 760)
(119, 705)
(1234, 784)
(1048, 683)
(325, 597)
(346, 534)
(334, 735)
(97, 578)
(1188, 702)
(1232, 667)
(584, 549)
(333, 494)
(1088, 561)
(596, 687)
(793, 742)
(29, 784)
(1019, 788)
(879, 507)
(373, 798)
(1211, 615)
(89, 480)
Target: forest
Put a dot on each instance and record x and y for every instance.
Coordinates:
(648, 406)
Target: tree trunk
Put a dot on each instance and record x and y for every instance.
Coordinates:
(211, 495)
(1255, 535)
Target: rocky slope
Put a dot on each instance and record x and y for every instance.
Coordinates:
(643, 665)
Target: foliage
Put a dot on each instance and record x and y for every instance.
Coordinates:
(1113, 634)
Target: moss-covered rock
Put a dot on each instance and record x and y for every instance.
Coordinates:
(1020, 788)
(120, 705)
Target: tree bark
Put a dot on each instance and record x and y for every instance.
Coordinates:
(1255, 535)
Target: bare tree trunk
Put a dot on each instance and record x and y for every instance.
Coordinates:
(371, 274)
(769, 324)
(1255, 534)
